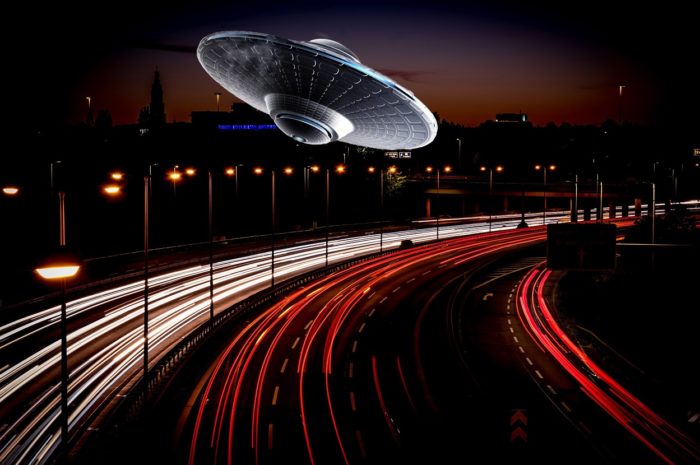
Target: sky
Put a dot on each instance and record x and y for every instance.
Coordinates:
(555, 61)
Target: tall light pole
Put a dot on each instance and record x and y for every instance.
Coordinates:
(59, 268)
(619, 108)
(459, 154)
(372, 170)
(218, 100)
(211, 248)
(146, 245)
(544, 187)
(274, 224)
(499, 169)
(600, 202)
(575, 218)
(446, 169)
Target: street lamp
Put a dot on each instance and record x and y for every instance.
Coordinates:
(372, 170)
(10, 191)
(499, 169)
(218, 100)
(459, 153)
(112, 189)
(544, 187)
(429, 169)
(60, 267)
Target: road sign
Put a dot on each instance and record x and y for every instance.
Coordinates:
(518, 424)
(398, 155)
(581, 246)
(696, 152)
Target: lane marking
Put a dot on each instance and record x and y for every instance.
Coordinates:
(509, 322)
(269, 436)
(566, 407)
(353, 406)
(515, 338)
(308, 324)
(274, 395)
(584, 427)
(397, 288)
(529, 362)
(551, 389)
(284, 365)
(371, 312)
(520, 348)
(350, 369)
(383, 300)
(426, 272)
(361, 444)
(371, 295)
(539, 375)
(508, 307)
(410, 280)
(354, 346)
(511, 330)
(296, 341)
(362, 326)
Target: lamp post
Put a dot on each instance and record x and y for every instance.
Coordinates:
(61, 267)
(211, 248)
(446, 169)
(372, 170)
(575, 198)
(218, 100)
(544, 187)
(459, 154)
(499, 169)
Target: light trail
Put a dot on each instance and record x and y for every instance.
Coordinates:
(333, 305)
(105, 350)
(662, 438)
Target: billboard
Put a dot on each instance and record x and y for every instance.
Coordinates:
(587, 246)
(398, 155)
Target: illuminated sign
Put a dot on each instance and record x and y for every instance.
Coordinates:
(246, 127)
(696, 152)
(399, 155)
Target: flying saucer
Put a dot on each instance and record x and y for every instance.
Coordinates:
(318, 91)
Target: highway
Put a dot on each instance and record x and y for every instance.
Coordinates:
(339, 371)
(659, 438)
(105, 339)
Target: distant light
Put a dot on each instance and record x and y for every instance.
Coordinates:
(447, 169)
(340, 169)
(117, 176)
(10, 190)
(483, 168)
(190, 171)
(371, 169)
(538, 167)
(112, 189)
(175, 176)
(428, 169)
(230, 171)
(258, 170)
(288, 170)
(58, 271)
(552, 167)
(315, 168)
(499, 168)
(393, 169)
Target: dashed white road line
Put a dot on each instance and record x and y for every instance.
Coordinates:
(308, 324)
(274, 395)
(566, 406)
(511, 330)
(539, 375)
(362, 326)
(520, 348)
(529, 362)
(410, 280)
(383, 300)
(350, 370)
(551, 389)
(371, 295)
(515, 338)
(397, 288)
(284, 365)
(354, 346)
(296, 341)
(426, 272)
(371, 312)
(353, 406)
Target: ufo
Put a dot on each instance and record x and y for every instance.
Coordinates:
(317, 91)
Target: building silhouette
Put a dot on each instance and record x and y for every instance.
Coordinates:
(153, 116)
